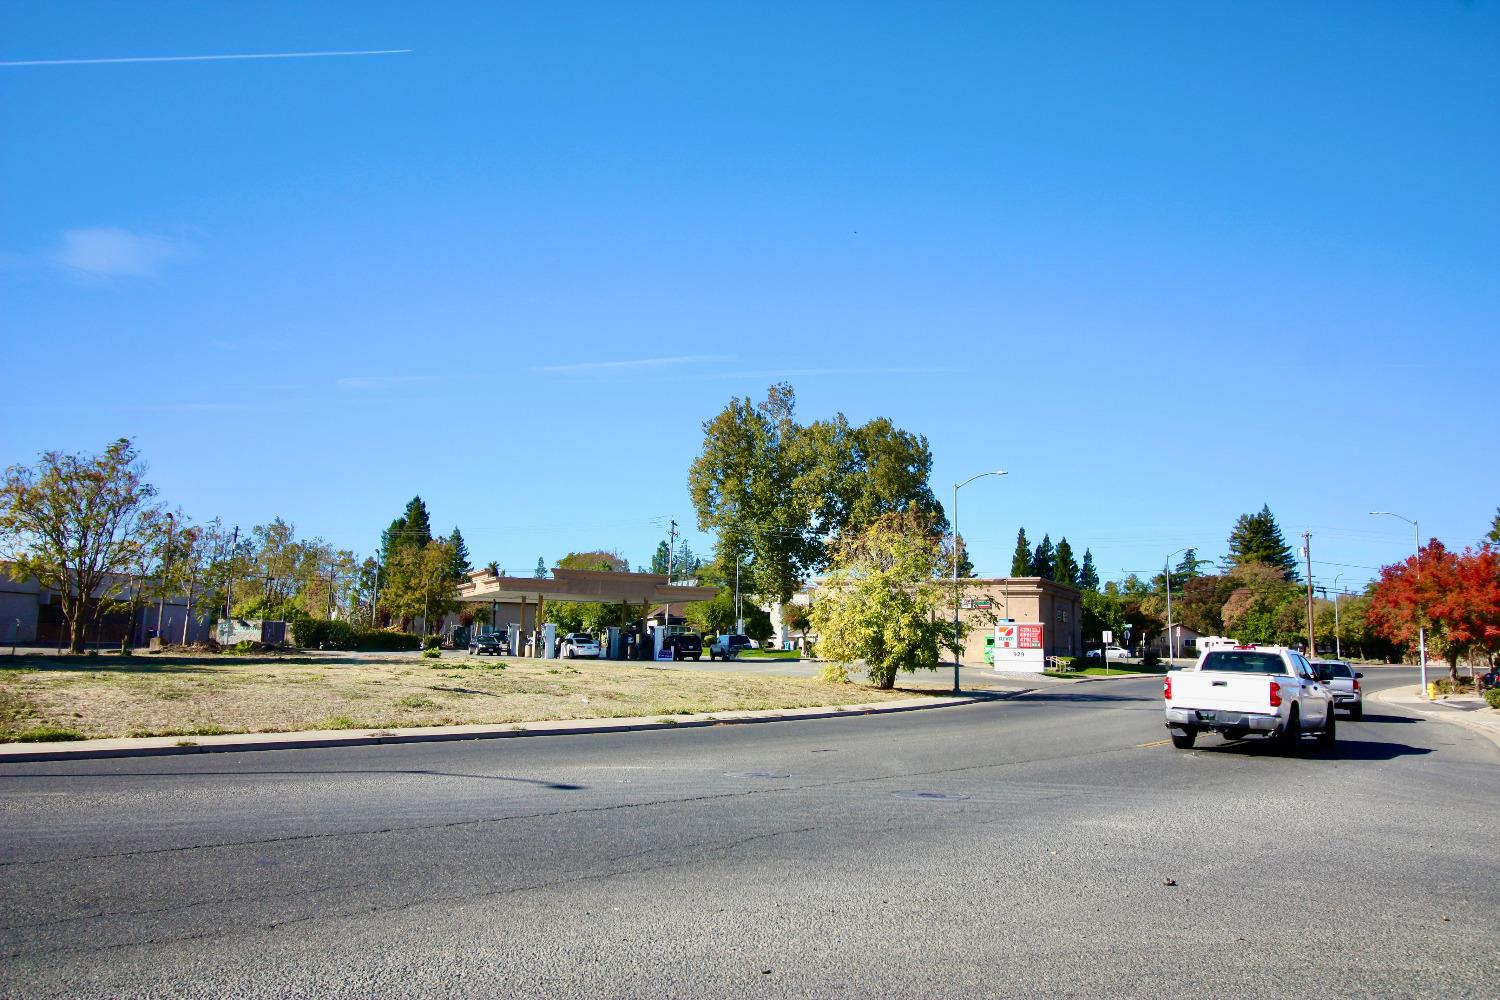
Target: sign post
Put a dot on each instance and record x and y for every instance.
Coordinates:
(1109, 637)
(1019, 648)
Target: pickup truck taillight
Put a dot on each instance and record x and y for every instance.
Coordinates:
(1275, 695)
(1166, 689)
(1356, 685)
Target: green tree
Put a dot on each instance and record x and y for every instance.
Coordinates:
(1100, 612)
(541, 569)
(597, 560)
(881, 601)
(1043, 559)
(774, 492)
(1263, 605)
(965, 567)
(1020, 562)
(1257, 538)
(1494, 535)
(75, 523)
(420, 583)
(460, 566)
(661, 558)
(1088, 576)
(1065, 569)
(716, 616)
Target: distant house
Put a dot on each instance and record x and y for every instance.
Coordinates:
(1187, 641)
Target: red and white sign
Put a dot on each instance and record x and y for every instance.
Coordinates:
(1019, 648)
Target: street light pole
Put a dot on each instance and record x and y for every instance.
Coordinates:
(956, 647)
(1171, 638)
(166, 562)
(1416, 534)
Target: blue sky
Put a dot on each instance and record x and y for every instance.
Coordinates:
(1163, 262)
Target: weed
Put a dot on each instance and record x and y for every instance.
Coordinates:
(48, 734)
(339, 722)
(185, 743)
(415, 701)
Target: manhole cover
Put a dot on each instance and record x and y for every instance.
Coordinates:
(756, 774)
(931, 796)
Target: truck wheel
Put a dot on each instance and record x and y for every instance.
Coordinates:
(1290, 737)
(1183, 739)
(1330, 732)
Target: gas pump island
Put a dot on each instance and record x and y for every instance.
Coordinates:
(513, 603)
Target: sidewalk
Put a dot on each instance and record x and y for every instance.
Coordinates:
(167, 745)
(1468, 711)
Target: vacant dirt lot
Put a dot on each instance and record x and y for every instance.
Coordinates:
(63, 697)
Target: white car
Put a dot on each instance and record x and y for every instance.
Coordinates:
(1115, 653)
(578, 645)
(1249, 690)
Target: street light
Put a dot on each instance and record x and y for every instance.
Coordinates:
(166, 562)
(1416, 534)
(956, 647)
(1171, 638)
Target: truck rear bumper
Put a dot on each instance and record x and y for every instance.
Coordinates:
(1220, 721)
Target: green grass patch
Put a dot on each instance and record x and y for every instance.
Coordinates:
(47, 734)
(415, 701)
(770, 654)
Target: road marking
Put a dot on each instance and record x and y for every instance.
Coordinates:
(1147, 746)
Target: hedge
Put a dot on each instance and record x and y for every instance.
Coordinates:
(313, 633)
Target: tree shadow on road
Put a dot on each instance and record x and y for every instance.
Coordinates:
(1369, 717)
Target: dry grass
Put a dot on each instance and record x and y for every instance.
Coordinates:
(51, 697)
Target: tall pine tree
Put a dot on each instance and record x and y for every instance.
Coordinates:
(1088, 576)
(1043, 558)
(1257, 538)
(1020, 563)
(459, 567)
(1064, 569)
(541, 569)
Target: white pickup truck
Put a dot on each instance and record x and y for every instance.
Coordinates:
(1264, 690)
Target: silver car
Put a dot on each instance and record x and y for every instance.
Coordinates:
(1343, 682)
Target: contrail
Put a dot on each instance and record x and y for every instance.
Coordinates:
(244, 55)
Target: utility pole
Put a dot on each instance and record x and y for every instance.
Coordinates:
(666, 621)
(229, 577)
(163, 578)
(375, 600)
(1312, 645)
(331, 570)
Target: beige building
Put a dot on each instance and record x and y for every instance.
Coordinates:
(983, 603)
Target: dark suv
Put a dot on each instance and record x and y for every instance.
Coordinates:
(686, 646)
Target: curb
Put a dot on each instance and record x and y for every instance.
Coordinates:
(1491, 732)
(239, 743)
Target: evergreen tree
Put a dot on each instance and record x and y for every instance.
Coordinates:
(1043, 558)
(1494, 535)
(418, 526)
(460, 567)
(660, 557)
(1088, 576)
(1187, 569)
(1257, 538)
(1065, 569)
(1020, 563)
(541, 569)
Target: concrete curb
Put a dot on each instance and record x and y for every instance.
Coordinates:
(1388, 697)
(165, 746)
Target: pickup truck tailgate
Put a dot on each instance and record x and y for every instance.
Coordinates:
(1212, 689)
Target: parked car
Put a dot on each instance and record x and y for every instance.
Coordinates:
(1343, 681)
(578, 645)
(493, 643)
(1491, 679)
(686, 646)
(1115, 653)
(1266, 690)
(727, 647)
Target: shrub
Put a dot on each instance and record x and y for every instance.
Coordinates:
(432, 652)
(1493, 697)
(1152, 658)
(382, 641)
(431, 641)
(1077, 664)
(338, 634)
(308, 633)
(1445, 685)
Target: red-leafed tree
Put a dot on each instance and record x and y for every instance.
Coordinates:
(1455, 596)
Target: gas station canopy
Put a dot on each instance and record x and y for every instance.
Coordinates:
(581, 585)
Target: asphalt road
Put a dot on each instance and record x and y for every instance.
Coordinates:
(1043, 846)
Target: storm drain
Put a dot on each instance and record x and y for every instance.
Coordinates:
(931, 796)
